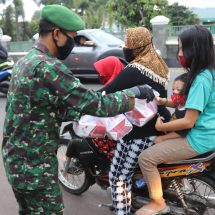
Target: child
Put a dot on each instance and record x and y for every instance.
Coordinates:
(177, 100)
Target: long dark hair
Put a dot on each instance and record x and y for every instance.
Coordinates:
(182, 78)
(198, 51)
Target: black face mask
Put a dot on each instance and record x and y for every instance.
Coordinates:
(64, 51)
(128, 53)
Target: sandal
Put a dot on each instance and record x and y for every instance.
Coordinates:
(163, 211)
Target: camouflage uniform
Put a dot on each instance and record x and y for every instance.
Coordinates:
(42, 94)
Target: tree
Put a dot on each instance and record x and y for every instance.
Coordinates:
(136, 12)
(80, 6)
(181, 15)
(45, 2)
(34, 24)
(8, 21)
(34, 27)
(19, 11)
(25, 32)
(36, 15)
(90, 10)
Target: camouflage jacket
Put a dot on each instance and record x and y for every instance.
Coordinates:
(43, 93)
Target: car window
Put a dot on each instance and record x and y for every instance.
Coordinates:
(106, 38)
(80, 40)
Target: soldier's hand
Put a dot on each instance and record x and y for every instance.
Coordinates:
(142, 92)
(146, 93)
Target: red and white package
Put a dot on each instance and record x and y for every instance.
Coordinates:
(90, 126)
(142, 112)
(99, 127)
(118, 126)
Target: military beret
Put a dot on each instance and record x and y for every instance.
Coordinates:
(62, 17)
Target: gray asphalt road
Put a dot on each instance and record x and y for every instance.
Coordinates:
(74, 205)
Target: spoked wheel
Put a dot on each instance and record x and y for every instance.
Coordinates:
(200, 195)
(71, 173)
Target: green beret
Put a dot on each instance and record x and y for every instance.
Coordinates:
(62, 17)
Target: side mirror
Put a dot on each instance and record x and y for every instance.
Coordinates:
(89, 44)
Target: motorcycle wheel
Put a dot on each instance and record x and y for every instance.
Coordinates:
(199, 193)
(75, 180)
(4, 87)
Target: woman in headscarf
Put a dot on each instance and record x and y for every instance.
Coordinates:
(108, 68)
(145, 67)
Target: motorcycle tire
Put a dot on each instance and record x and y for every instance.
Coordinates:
(4, 87)
(76, 180)
(198, 191)
(204, 191)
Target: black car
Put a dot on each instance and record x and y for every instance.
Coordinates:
(92, 45)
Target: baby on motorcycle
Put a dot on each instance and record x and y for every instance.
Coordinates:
(176, 101)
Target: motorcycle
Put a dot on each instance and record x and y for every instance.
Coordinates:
(5, 75)
(188, 185)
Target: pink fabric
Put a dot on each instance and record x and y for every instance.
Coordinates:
(109, 68)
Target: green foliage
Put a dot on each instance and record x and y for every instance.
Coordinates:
(90, 10)
(93, 13)
(45, 2)
(8, 23)
(80, 6)
(34, 24)
(19, 11)
(18, 8)
(36, 15)
(34, 27)
(181, 15)
(25, 32)
(136, 13)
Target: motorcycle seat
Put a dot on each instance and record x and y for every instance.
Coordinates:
(200, 158)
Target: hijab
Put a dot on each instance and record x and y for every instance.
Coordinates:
(109, 68)
(146, 58)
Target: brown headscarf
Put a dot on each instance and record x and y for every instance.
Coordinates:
(146, 59)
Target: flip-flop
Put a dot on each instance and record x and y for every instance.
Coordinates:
(163, 211)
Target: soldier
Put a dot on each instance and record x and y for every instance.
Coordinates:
(42, 94)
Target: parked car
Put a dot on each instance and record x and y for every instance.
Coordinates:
(91, 46)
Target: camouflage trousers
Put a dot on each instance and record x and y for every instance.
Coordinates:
(47, 201)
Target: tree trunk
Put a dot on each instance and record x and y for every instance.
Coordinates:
(17, 28)
(141, 14)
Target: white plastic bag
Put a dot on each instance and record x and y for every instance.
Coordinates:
(98, 127)
(90, 126)
(142, 112)
(118, 126)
